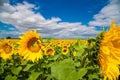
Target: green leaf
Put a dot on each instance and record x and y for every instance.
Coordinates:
(49, 77)
(77, 64)
(10, 77)
(73, 76)
(54, 57)
(1, 69)
(28, 66)
(82, 72)
(16, 70)
(24, 62)
(79, 47)
(77, 75)
(63, 69)
(34, 75)
(93, 76)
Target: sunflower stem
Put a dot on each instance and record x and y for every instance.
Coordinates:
(84, 56)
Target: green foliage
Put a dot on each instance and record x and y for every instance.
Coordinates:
(56, 67)
(10, 77)
(34, 75)
(16, 70)
(79, 47)
(46, 40)
(62, 69)
(65, 70)
(27, 67)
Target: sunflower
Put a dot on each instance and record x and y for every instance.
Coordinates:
(65, 51)
(6, 49)
(30, 46)
(49, 51)
(109, 57)
(65, 45)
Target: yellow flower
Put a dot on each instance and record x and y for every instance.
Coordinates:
(74, 53)
(6, 49)
(49, 51)
(30, 46)
(65, 45)
(109, 57)
(65, 51)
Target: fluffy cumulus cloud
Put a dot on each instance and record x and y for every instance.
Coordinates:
(24, 18)
(107, 13)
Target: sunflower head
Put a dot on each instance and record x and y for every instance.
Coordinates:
(109, 53)
(65, 51)
(30, 46)
(34, 44)
(65, 45)
(6, 49)
(49, 51)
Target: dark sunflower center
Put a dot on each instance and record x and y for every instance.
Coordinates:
(64, 50)
(34, 45)
(65, 46)
(49, 51)
(7, 48)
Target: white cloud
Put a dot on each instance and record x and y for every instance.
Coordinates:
(107, 14)
(23, 18)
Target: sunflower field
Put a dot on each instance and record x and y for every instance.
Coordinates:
(32, 58)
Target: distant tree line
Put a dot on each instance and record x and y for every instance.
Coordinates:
(8, 37)
(11, 38)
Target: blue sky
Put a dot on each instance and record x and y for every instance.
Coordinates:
(57, 18)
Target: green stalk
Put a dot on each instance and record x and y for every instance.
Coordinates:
(83, 60)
